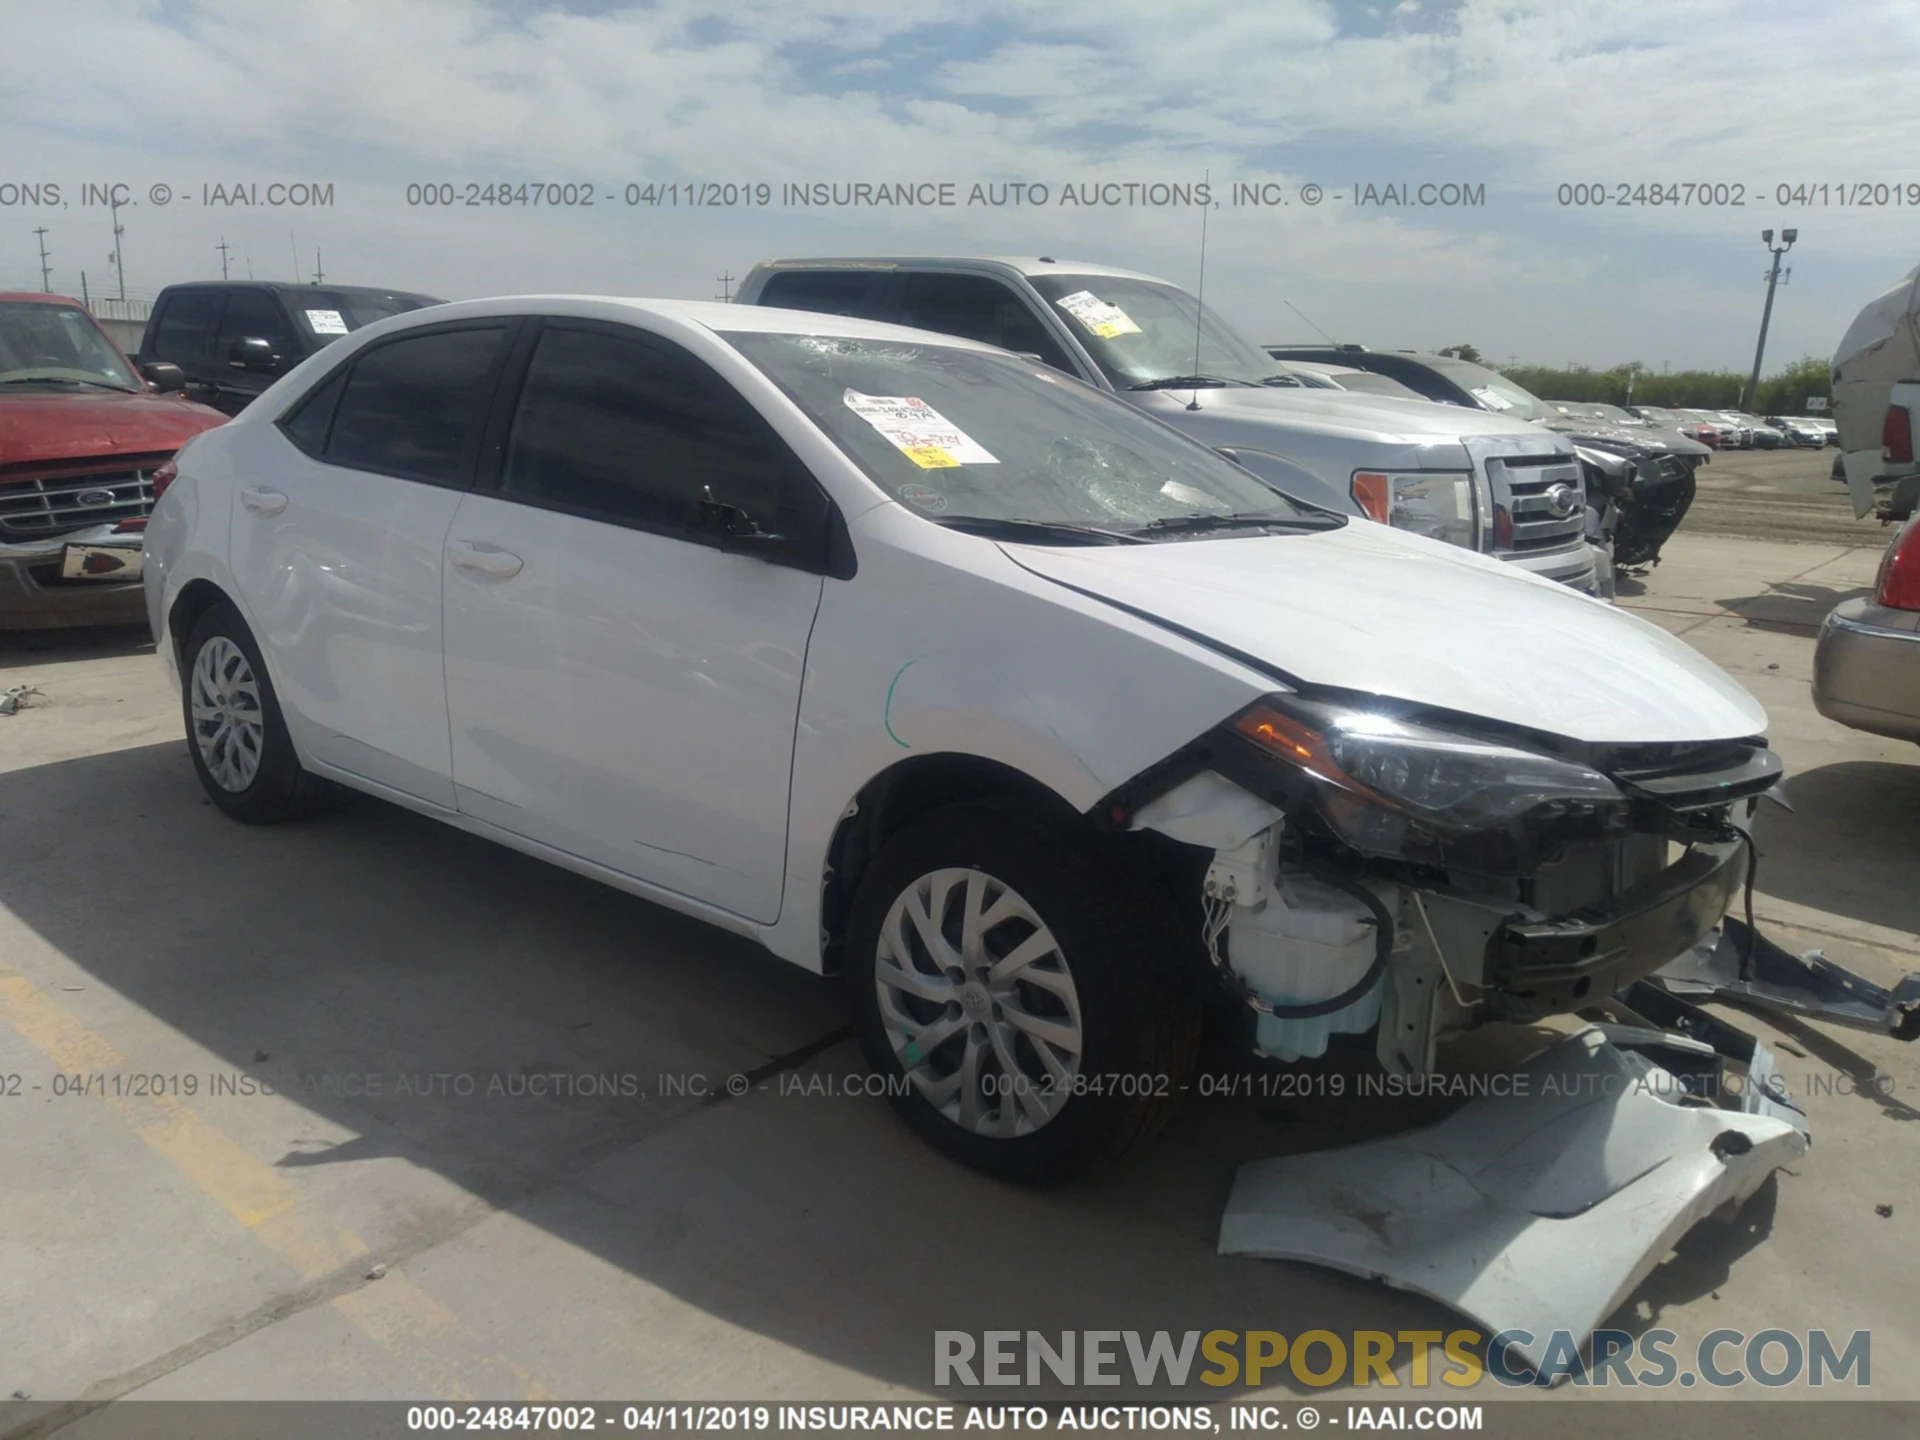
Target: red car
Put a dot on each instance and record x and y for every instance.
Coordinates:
(81, 433)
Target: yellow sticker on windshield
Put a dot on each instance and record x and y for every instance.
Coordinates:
(1101, 319)
(918, 431)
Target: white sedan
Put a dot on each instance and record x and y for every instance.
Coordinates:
(918, 661)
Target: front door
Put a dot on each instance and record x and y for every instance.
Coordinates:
(622, 686)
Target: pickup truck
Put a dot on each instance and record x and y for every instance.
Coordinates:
(1497, 486)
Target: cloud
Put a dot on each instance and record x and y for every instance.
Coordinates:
(1519, 96)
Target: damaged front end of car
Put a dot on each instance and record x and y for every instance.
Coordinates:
(1374, 865)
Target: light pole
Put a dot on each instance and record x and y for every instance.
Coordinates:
(1787, 237)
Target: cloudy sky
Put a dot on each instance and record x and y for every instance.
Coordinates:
(370, 97)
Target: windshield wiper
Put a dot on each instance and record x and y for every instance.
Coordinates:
(994, 527)
(65, 380)
(1187, 382)
(1240, 520)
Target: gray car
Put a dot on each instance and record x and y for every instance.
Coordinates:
(1866, 668)
(1490, 483)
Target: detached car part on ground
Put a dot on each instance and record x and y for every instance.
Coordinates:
(915, 659)
(1649, 498)
(1485, 483)
(82, 437)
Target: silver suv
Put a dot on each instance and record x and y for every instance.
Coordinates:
(1497, 486)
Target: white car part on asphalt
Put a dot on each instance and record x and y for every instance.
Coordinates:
(1538, 1210)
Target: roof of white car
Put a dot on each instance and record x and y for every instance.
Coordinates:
(1026, 264)
(712, 315)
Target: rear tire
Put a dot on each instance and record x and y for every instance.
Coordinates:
(1009, 981)
(236, 735)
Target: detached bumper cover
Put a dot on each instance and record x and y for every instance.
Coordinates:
(1535, 1211)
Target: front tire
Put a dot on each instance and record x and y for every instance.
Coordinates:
(1007, 980)
(236, 735)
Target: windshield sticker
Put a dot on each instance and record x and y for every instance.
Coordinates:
(918, 431)
(326, 322)
(1100, 318)
(1491, 398)
(925, 496)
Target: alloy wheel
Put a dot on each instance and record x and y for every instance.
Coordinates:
(228, 728)
(978, 1003)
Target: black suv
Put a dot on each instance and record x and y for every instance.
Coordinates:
(234, 338)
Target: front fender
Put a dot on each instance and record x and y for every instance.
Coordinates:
(942, 645)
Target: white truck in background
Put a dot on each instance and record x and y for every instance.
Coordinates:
(1876, 394)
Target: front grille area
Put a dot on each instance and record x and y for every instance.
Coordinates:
(1543, 500)
(39, 506)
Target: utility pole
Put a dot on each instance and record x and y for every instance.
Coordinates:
(223, 247)
(118, 230)
(46, 275)
(1787, 237)
(86, 300)
(725, 281)
(294, 246)
(318, 274)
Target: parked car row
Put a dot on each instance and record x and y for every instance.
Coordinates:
(950, 663)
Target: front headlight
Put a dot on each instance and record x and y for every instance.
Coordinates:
(1392, 788)
(1433, 503)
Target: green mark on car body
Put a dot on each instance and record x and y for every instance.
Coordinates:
(886, 716)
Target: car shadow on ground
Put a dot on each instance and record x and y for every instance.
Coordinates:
(81, 642)
(1791, 608)
(374, 941)
(1869, 877)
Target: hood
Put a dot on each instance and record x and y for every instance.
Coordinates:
(45, 425)
(1624, 439)
(1370, 609)
(1337, 412)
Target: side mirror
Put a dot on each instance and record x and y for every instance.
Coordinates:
(738, 531)
(164, 376)
(251, 353)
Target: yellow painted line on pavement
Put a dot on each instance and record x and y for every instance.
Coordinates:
(393, 1312)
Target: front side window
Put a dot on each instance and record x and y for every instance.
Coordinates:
(255, 315)
(636, 431)
(54, 347)
(973, 435)
(413, 406)
(1144, 335)
(977, 307)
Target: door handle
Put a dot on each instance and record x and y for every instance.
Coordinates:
(263, 502)
(488, 560)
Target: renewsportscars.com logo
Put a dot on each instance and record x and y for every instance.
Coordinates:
(1456, 1358)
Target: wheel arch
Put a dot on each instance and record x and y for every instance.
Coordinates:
(196, 597)
(900, 794)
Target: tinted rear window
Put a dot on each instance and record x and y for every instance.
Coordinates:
(413, 406)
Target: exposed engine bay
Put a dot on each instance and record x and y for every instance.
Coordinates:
(1411, 874)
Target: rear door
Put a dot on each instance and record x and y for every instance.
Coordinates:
(623, 685)
(337, 534)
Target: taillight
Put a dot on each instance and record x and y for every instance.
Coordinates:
(1898, 586)
(1896, 435)
(163, 475)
